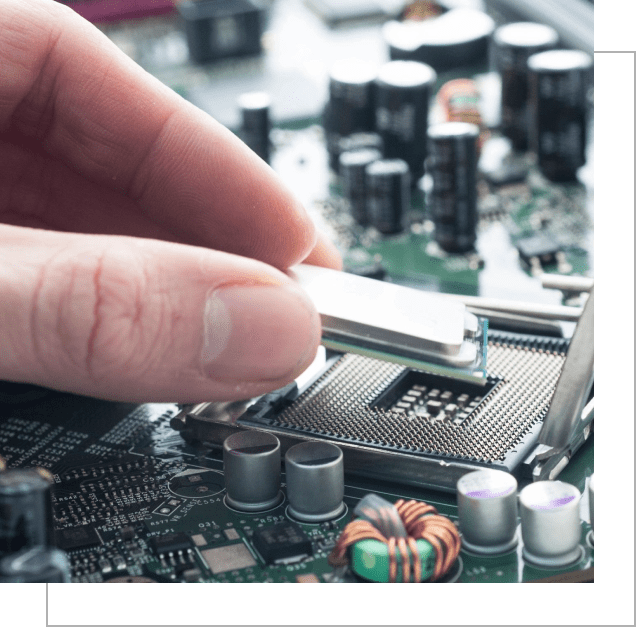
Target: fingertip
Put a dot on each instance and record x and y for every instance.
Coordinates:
(324, 254)
(149, 321)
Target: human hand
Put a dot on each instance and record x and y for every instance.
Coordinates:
(117, 198)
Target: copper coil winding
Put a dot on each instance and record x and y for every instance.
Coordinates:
(422, 522)
(420, 10)
(458, 99)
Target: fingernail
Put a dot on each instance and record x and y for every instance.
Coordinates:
(258, 333)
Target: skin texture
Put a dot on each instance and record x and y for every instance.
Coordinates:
(142, 245)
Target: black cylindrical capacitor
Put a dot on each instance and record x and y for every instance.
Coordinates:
(26, 514)
(388, 194)
(255, 122)
(513, 45)
(354, 186)
(351, 104)
(559, 80)
(452, 162)
(403, 91)
(360, 141)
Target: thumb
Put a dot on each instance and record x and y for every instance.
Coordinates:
(142, 320)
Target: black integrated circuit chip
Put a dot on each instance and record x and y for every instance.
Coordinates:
(170, 543)
(283, 541)
(73, 538)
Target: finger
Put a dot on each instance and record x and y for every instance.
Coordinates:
(325, 254)
(67, 85)
(38, 190)
(142, 320)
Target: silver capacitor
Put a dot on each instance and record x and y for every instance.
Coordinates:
(315, 481)
(487, 509)
(550, 523)
(251, 462)
(26, 510)
(37, 564)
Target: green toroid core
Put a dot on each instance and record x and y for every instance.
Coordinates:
(370, 559)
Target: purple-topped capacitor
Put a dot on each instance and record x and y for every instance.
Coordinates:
(550, 523)
(487, 509)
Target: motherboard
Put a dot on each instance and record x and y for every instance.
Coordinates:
(146, 493)
(134, 502)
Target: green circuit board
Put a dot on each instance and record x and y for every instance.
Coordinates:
(121, 472)
(121, 484)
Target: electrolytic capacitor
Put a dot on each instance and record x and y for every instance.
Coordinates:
(39, 564)
(388, 195)
(314, 473)
(256, 123)
(513, 44)
(351, 104)
(559, 81)
(251, 463)
(360, 141)
(487, 509)
(403, 92)
(354, 186)
(550, 523)
(452, 164)
(26, 509)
